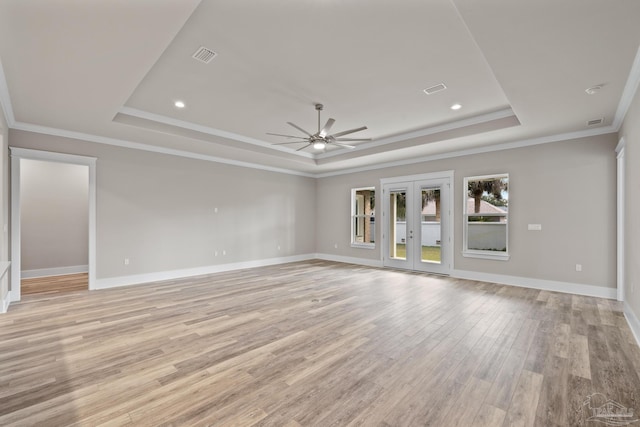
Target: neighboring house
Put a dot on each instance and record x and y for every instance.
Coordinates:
(429, 210)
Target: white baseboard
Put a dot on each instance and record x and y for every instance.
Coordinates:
(632, 320)
(114, 282)
(350, 260)
(55, 271)
(547, 285)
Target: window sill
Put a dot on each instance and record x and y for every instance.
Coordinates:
(498, 256)
(363, 245)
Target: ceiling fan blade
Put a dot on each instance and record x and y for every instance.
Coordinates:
(346, 132)
(286, 136)
(302, 148)
(291, 142)
(325, 130)
(299, 128)
(351, 147)
(353, 139)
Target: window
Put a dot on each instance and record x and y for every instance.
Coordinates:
(363, 219)
(486, 213)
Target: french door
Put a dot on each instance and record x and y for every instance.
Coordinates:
(417, 224)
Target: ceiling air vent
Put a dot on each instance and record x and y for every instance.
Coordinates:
(595, 122)
(434, 89)
(204, 55)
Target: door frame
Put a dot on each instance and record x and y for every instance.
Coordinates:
(620, 219)
(18, 154)
(442, 175)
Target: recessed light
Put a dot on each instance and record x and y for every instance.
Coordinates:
(179, 104)
(456, 107)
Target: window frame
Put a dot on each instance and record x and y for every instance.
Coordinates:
(354, 216)
(480, 253)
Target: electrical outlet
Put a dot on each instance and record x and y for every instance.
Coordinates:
(335, 246)
(126, 261)
(278, 247)
(215, 253)
(534, 227)
(215, 210)
(578, 267)
(224, 252)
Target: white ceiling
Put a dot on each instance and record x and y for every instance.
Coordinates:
(110, 71)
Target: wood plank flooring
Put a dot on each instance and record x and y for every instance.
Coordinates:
(55, 284)
(314, 344)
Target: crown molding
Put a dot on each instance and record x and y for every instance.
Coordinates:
(630, 88)
(483, 118)
(152, 148)
(5, 99)
(487, 149)
(629, 91)
(170, 121)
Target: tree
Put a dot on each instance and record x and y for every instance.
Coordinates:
(494, 187)
(429, 196)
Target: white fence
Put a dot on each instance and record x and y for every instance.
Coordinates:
(482, 235)
(430, 233)
(487, 235)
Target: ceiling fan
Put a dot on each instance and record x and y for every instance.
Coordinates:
(321, 138)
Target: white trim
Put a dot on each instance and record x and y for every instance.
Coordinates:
(478, 253)
(363, 245)
(208, 130)
(483, 118)
(377, 263)
(5, 99)
(5, 303)
(620, 219)
(20, 153)
(547, 285)
(114, 282)
(6, 299)
(473, 151)
(151, 148)
(366, 217)
(629, 91)
(497, 256)
(632, 320)
(50, 156)
(55, 271)
(419, 177)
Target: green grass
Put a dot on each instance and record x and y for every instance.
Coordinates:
(429, 253)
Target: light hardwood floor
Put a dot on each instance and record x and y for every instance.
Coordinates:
(315, 344)
(55, 284)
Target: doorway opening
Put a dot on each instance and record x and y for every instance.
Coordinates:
(53, 231)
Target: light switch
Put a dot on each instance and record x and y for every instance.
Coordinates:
(535, 227)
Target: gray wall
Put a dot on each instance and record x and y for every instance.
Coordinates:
(159, 211)
(569, 187)
(630, 131)
(54, 209)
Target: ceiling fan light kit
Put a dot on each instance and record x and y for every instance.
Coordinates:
(321, 139)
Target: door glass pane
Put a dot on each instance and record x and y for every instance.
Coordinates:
(398, 224)
(430, 226)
